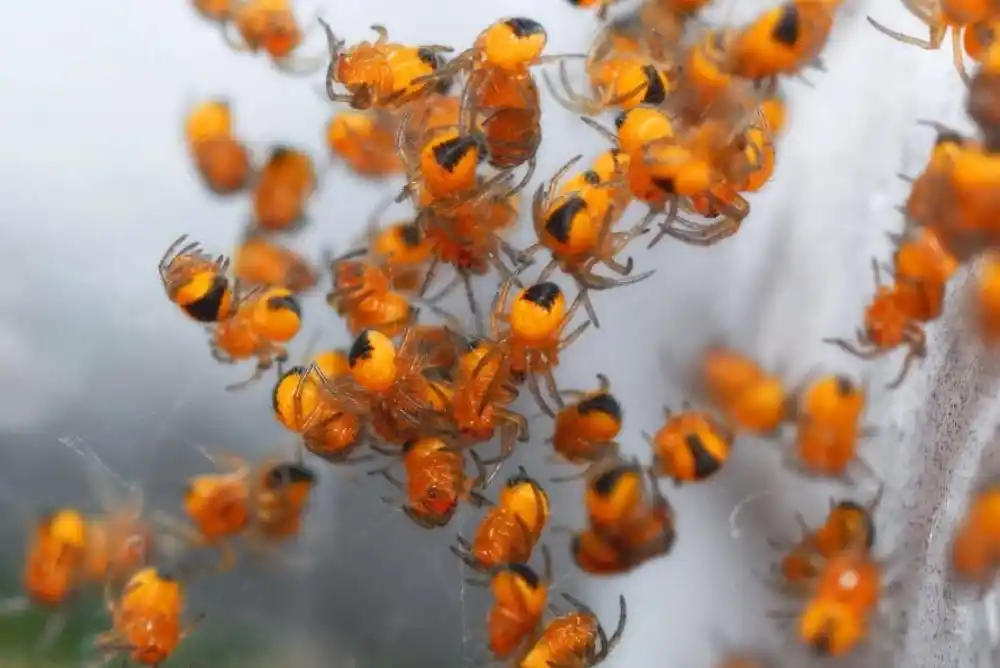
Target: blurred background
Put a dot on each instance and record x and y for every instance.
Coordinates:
(95, 183)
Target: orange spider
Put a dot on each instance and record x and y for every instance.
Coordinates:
(704, 81)
(388, 383)
(119, 541)
(960, 16)
(585, 430)
(442, 162)
(602, 6)
(279, 496)
(222, 161)
(975, 548)
(982, 102)
(56, 558)
(534, 333)
(690, 447)
(508, 109)
(362, 293)
(366, 141)
(630, 521)
(520, 596)
(436, 481)
(849, 526)
(208, 120)
(147, 623)
(622, 79)
(216, 11)
(666, 169)
(955, 195)
(838, 617)
(483, 390)
(987, 298)
(224, 165)
(576, 226)
(575, 639)
(751, 400)
(262, 262)
(510, 46)
(442, 347)
(380, 74)
(783, 40)
(328, 430)
(282, 190)
(466, 234)
(715, 156)
(888, 324)
(828, 426)
(218, 507)
(509, 531)
(270, 26)
(922, 267)
(406, 252)
(261, 326)
(197, 282)
(635, 128)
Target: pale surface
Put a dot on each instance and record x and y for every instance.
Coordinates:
(95, 184)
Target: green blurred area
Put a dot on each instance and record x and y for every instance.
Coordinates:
(212, 645)
(216, 642)
(21, 634)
